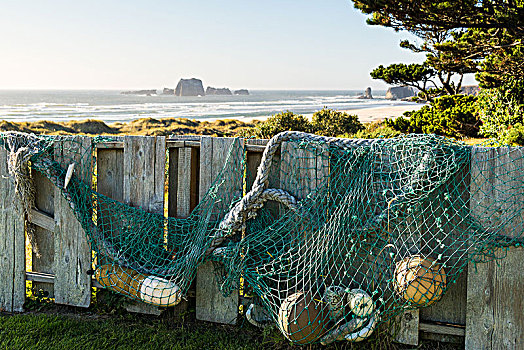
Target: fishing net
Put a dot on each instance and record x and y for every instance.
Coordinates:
(333, 238)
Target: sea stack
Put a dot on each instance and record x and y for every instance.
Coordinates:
(241, 92)
(190, 87)
(168, 91)
(399, 92)
(367, 95)
(220, 91)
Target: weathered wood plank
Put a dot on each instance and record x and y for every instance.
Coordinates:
(495, 302)
(187, 184)
(440, 329)
(144, 172)
(210, 303)
(12, 244)
(45, 239)
(41, 219)
(144, 180)
(72, 250)
(110, 173)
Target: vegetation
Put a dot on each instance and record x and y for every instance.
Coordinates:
(325, 122)
(283, 121)
(145, 126)
(332, 123)
(452, 116)
(500, 108)
(460, 36)
(415, 75)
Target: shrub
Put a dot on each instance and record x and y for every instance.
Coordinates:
(500, 108)
(375, 130)
(514, 135)
(328, 122)
(284, 121)
(452, 116)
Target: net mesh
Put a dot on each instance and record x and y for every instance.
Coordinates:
(333, 238)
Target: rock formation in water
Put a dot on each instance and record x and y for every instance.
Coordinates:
(241, 92)
(220, 91)
(168, 91)
(400, 92)
(470, 90)
(139, 92)
(190, 87)
(367, 95)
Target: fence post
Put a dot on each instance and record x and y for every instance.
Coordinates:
(495, 317)
(211, 305)
(12, 244)
(72, 258)
(144, 181)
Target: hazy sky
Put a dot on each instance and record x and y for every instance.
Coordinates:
(265, 44)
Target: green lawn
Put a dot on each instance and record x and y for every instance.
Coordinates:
(47, 331)
(85, 330)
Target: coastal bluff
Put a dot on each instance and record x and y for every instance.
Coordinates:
(190, 87)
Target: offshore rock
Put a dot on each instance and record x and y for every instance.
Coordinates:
(400, 92)
(220, 91)
(139, 92)
(168, 91)
(367, 95)
(190, 87)
(470, 90)
(241, 92)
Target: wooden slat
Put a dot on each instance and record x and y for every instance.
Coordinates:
(41, 219)
(12, 244)
(210, 303)
(144, 172)
(441, 329)
(72, 250)
(44, 202)
(144, 181)
(187, 182)
(495, 302)
(451, 308)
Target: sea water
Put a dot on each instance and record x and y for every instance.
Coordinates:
(112, 106)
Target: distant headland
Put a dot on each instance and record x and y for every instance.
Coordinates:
(189, 87)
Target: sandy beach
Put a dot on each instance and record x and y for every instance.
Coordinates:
(365, 115)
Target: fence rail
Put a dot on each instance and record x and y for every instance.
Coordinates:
(484, 309)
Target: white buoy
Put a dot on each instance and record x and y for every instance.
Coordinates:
(365, 332)
(360, 303)
(159, 291)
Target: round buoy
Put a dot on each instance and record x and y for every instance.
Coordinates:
(420, 281)
(301, 318)
(360, 303)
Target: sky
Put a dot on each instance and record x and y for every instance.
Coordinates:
(130, 44)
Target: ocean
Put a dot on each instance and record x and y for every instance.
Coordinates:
(111, 106)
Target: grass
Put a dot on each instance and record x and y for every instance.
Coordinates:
(144, 126)
(60, 327)
(46, 331)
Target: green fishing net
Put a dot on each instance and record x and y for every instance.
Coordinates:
(333, 238)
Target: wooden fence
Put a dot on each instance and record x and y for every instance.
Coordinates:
(484, 309)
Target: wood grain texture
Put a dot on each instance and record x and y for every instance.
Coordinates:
(187, 185)
(12, 244)
(211, 305)
(495, 301)
(72, 258)
(45, 239)
(144, 172)
(144, 180)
